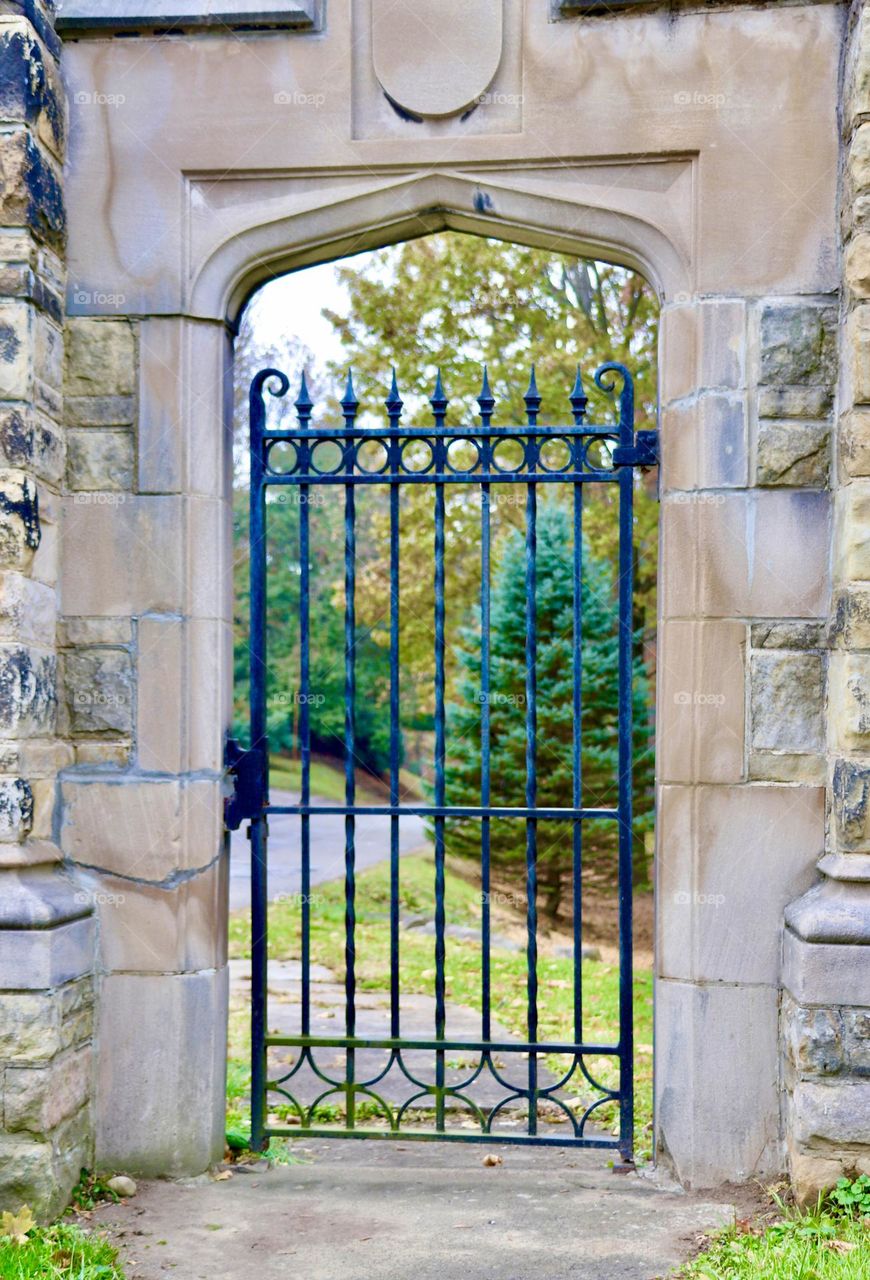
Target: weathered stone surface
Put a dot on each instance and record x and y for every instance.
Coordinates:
(16, 809)
(857, 265)
(99, 752)
(857, 354)
(788, 635)
(814, 1039)
(124, 556)
(850, 793)
(28, 609)
(850, 700)
(28, 700)
(783, 766)
(859, 157)
(98, 687)
(29, 1026)
(835, 1112)
(857, 79)
(100, 357)
(704, 444)
(160, 686)
(799, 345)
(30, 441)
(16, 350)
(28, 1176)
(99, 411)
(787, 702)
(703, 687)
(30, 91)
(20, 525)
(793, 453)
(100, 460)
(86, 631)
(850, 619)
(854, 443)
(30, 189)
(37, 1099)
(795, 402)
(853, 532)
(856, 1026)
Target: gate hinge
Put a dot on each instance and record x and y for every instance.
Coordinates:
(245, 768)
(643, 453)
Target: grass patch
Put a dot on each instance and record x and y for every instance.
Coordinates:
(829, 1242)
(463, 971)
(60, 1252)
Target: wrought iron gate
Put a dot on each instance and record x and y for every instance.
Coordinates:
(291, 455)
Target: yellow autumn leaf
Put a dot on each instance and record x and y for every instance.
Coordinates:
(17, 1225)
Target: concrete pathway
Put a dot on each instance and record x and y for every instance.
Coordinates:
(327, 849)
(430, 1211)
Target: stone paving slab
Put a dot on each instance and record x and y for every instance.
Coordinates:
(387, 1211)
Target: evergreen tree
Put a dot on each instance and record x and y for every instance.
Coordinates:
(555, 715)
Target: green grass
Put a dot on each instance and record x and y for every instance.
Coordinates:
(327, 781)
(463, 969)
(824, 1243)
(60, 1252)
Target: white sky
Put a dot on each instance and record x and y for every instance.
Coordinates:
(291, 307)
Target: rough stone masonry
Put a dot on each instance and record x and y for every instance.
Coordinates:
(148, 184)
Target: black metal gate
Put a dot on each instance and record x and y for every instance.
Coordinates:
(289, 455)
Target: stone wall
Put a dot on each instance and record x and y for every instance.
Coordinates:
(46, 934)
(826, 961)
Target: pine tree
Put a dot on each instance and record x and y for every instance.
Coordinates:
(555, 715)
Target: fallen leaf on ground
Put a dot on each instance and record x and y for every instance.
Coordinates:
(491, 1159)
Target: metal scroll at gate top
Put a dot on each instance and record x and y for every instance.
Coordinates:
(354, 1067)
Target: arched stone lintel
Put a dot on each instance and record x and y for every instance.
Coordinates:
(246, 260)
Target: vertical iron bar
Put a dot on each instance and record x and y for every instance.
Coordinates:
(394, 410)
(626, 638)
(303, 413)
(439, 407)
(532, 405)
(259, 743)
(486, 404)
(578, 407)
(349, 406)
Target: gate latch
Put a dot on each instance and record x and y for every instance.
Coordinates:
(245, 769)
(643, 453)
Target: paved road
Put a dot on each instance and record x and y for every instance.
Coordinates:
(327, 849)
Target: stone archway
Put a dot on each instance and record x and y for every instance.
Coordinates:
(618, 137)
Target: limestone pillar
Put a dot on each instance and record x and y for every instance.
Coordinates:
(826, 945)
(46, 933)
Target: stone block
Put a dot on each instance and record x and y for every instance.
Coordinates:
(756, 554)
(161, 1102)
(850, 804)
(209, 653)
(850, 623)
(850, 700)
(853, 532)
(787, 701)
(35, 959)
(99, 752)
(30, 89)
(701, 718)
(16, 350)
(16, 809)
(854, 442)
(856, 1036)
(825, 973)
(100, 460)
(857, 265)
(782, 766)
(161, 694)
(92, 631)
(145, 829)
(100, 357)
(168, 928)
(704, 444)
(98, 685)
(29, 1026)
(38, 1099)
(28, 610)
(814, 1039)
(714, 843)
(793, 453)
(123, 557)
(20, 524)
(679, 351)
(31, 442)
(28, 699)
(799, 344)
(710, 1041)
(857, 356)
(788, 635)
(27, 1176)
(99, 411)
(835, 1113)
(31, 195)
(722, 344)
(795, 402)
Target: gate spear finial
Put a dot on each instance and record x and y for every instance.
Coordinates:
(438, 401)
(304, 403)
(394, 403)
(486, 400)
(532, 400)
(578, 400)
